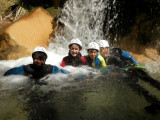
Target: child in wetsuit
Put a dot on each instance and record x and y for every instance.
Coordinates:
(74, 57)
(93, 59)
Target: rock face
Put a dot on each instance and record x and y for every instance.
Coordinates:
(4, 24)
(21, 37)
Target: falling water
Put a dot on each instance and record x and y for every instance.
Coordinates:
(84, 19)
(65, 97)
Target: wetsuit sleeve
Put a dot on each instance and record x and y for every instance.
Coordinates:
(83, 60)
(63, 71)
(103, 63)
(128, 56)
(15, 71)
(64, 61)
(56, 70)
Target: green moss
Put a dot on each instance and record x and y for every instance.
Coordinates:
(53, 11)
(5, 4)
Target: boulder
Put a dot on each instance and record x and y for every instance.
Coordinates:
(21, 37)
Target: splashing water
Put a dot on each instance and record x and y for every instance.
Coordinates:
(100, 98)
(83, 19)
(15, 81)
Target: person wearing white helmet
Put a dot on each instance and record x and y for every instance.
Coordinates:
(40, 50)
(38, 69)
(115, 56)
(104, 48)
(93, 59)
(74, 57)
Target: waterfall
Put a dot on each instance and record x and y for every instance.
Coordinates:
(88, 20)
(84, 19)
(98, 97)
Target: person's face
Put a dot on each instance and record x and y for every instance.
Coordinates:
(104, 51)
(38, 61)
(92, 53)
(74, 50)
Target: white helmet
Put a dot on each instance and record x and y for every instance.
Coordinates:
(40, 49)
(103, 43)
(93, 45)
(76, 41)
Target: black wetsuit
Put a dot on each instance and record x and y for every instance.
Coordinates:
(116, 58)
(35, 72)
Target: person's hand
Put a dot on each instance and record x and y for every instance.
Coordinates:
(139, 66)
(135, 66)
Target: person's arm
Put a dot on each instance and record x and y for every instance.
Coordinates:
(128, 56)
(15, 71)
(83, 60)
(88, 61)
(103, 63)
(64, 61)
(56, 70)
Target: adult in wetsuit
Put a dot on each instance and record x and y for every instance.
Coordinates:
(38, 69)
(115, 56)
(124, 60)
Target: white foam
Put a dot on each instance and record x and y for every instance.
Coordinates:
(12, 82)
(56, 80)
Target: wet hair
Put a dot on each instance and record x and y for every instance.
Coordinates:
(41, 55)
(75, 44)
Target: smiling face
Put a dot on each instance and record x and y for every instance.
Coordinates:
(92, 53)
(74, 50)
(39, 59)
(104, 51)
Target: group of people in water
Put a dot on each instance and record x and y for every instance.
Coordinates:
(99, 56)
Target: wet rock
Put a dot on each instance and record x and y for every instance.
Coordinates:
(4, 24)
(22, 36)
